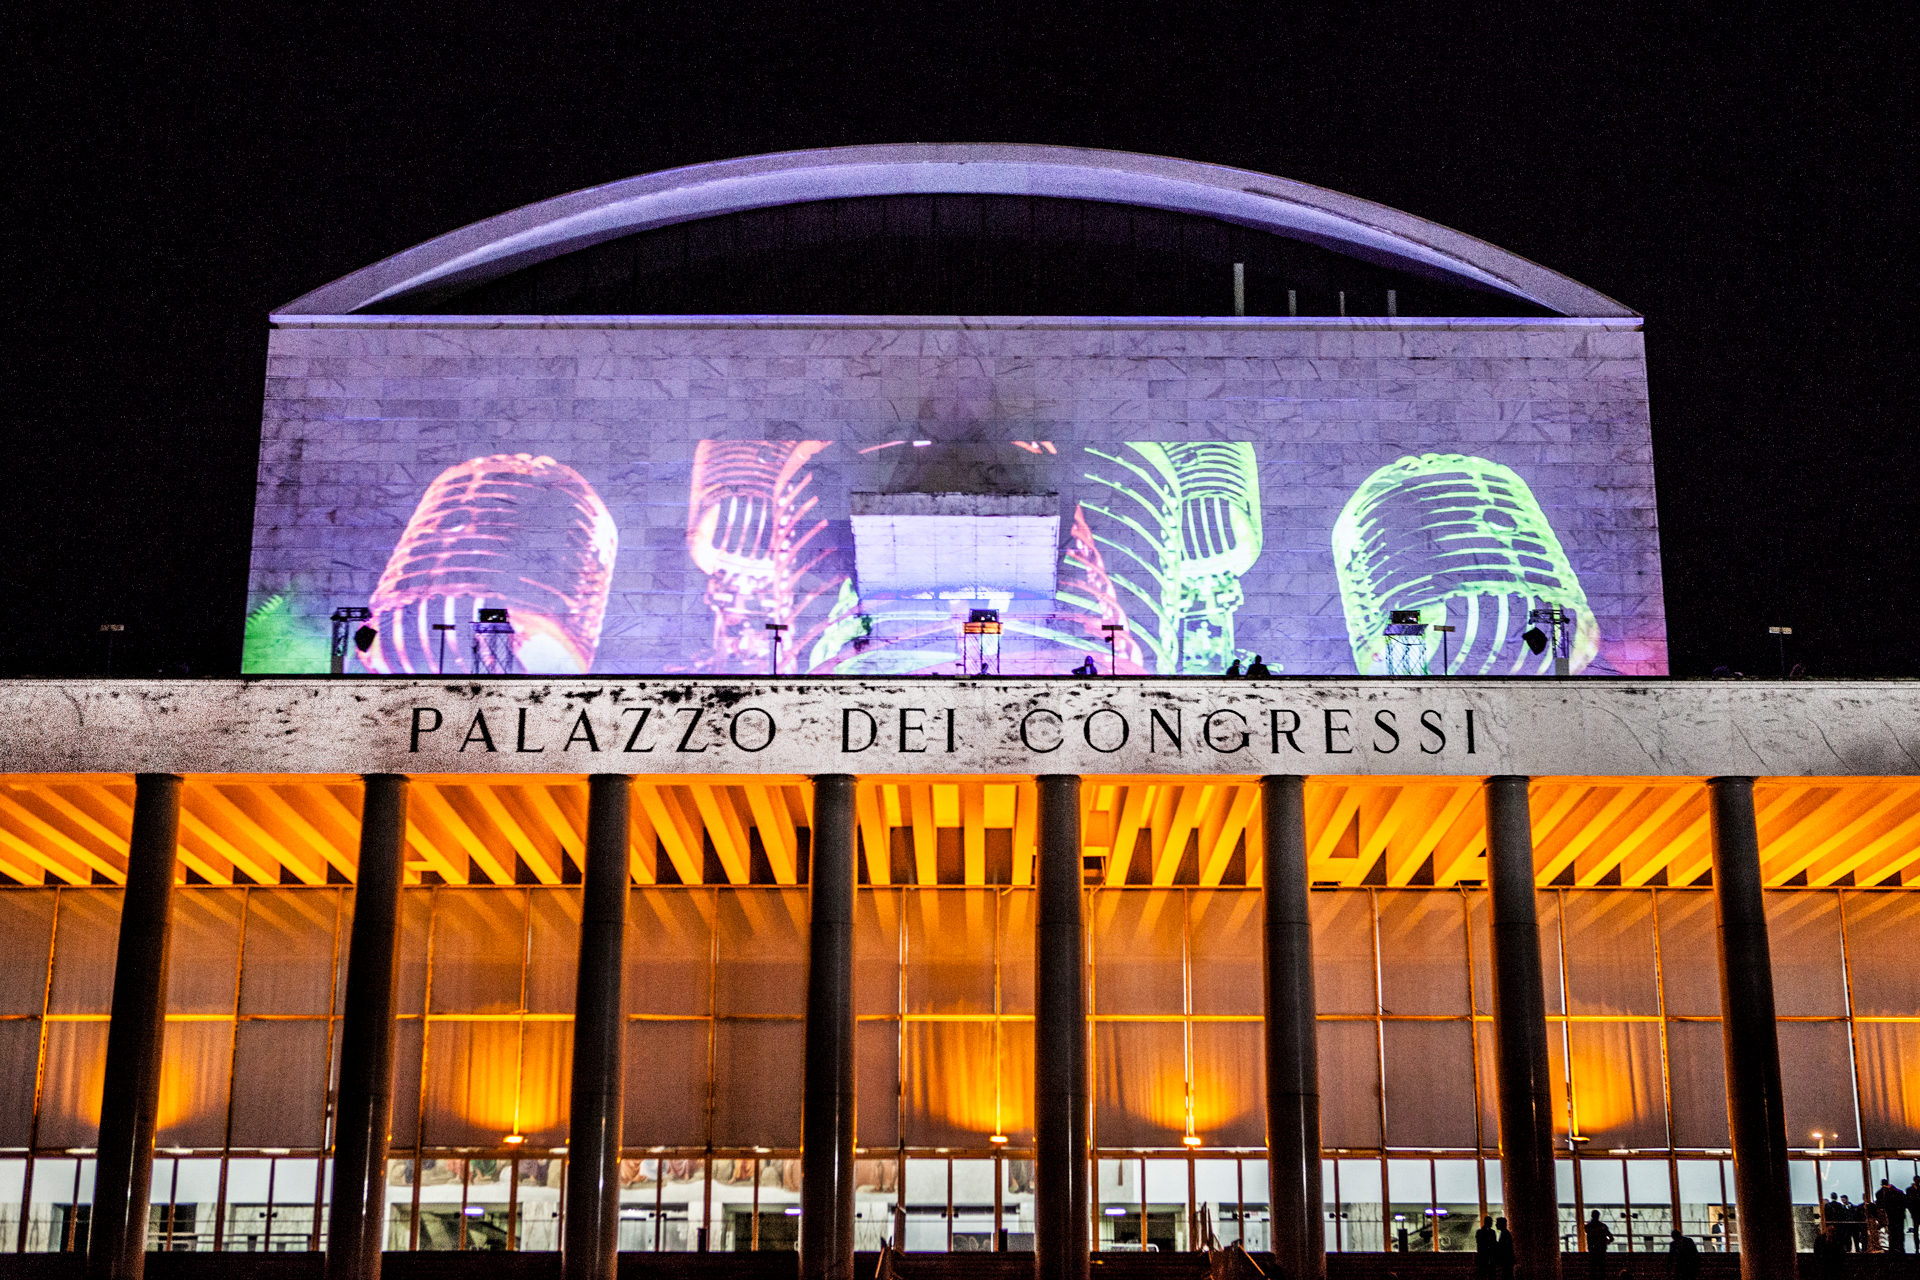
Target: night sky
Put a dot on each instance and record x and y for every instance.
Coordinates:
(1745, 183)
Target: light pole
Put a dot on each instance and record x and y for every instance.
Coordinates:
(1781, 634)
(443, 628)
(1445, 631)
(776, 628)
(112, 629)
(1113, 630)
(1820, 1180)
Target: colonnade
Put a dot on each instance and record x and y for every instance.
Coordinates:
(116, 1244)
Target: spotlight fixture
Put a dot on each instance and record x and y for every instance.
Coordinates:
(1536, 639)
(1191, 1140)
(514, 1139)
(342, 619)
(998, 1139)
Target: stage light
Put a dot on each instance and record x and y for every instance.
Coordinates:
(363, 638)
(776, 628)
(998, 1139)
(1536, 639)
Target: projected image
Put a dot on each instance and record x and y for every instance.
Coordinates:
(1181, 525)
(749, 525)
(513, 532)
(1461, 541)
(967, 555)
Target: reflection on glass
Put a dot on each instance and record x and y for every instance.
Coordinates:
(926, 1201)
(1362, 1223)
(536, 1220)
(1016, 1203)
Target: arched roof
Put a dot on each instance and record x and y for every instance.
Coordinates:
(533, 233)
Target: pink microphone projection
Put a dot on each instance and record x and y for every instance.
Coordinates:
(747, 530)
(514, 532)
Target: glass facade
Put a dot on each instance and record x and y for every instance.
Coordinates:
(943, 993)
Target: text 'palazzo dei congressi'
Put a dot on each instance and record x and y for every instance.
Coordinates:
(741, 753)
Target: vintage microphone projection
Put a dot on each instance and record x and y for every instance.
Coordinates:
(512, 532)
(1463, 541)
(744, 517)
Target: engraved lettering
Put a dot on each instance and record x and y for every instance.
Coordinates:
(478, 726)
(1086, 730)
(1026, 719)
(582, 729)
(1384, 721)
(1333, 728)
(1206, 732)
(733, 728)
(1273, 721)
(846, 730)
(638, 725)
(1430, 721)
(419, 728)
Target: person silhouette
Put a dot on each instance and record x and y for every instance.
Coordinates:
(1599, 1240)
(1506, 1257)
(1683, 1256)
(1086, 668)
(1486, 1250)
(1233, 672)
(1258, 671)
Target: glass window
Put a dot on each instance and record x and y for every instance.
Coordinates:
(1547, 905)
(59, 1205)
(1255, 1211)
(1689, 953)
(1138, 965)
(756, 1083)
(546, 1058)
(13, 1187)
(950, 935)
(1803, 937)
(287, 965)
(1165, 1183)
(1610, 961)
(1362, 1226)
(876, 1190)
(1456, 1194)
(949, 1080)
(279, 1084)
(1139, 1084)
(479, 947)
(26, 935)
(762, 965)
(471, 1083)
(1229, 1084)
(1619, 1092)
(86, 940)
(876, 951)
(1343, 976)
(1816, 1079)
(666, 1085)
(926, 1205)
(669, 951)
(553, 949)
(1225, 941)
(19, 1061)
(203, 950)
(538, 1202)
(1016, 1203)
(1650, 1206)
(1696, 1075)
(1410, 1206)
(877, 1083)
(1216, 1191)
(1429, 1094)
(1881, 928)
(249, 1201)
(1890, 1082)
(1423, 952)
(1016, 1081)
(973, 1206)
(1016, 950)
(1705, 1205)
(1349, 1084)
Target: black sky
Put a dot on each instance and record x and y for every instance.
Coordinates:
(1744, 182)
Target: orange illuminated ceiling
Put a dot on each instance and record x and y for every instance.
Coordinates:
(72, 829)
